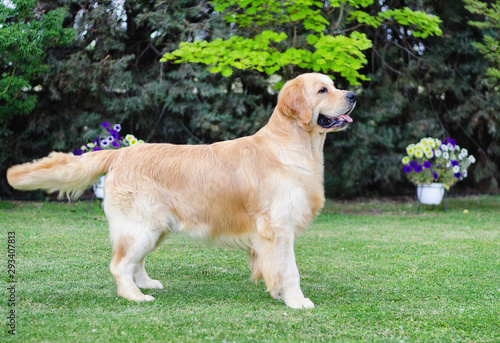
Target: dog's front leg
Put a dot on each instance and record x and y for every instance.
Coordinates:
(291, 293)
(276, 259)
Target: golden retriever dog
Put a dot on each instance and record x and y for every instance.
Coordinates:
(257, 192)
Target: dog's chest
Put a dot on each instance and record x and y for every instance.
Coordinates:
(298, 199)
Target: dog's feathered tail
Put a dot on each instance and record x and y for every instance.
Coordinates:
(65, 173)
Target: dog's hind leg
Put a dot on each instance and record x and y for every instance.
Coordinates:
(141, 277)
(130, 247)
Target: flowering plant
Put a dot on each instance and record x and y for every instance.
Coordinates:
(109, 138)
(433, 160)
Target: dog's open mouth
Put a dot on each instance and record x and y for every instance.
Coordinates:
(334, 122)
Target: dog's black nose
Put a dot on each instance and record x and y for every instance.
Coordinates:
(351, 97)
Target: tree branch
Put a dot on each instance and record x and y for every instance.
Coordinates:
(339, 19)
(10, 80)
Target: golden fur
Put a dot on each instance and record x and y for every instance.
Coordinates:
(258, 192)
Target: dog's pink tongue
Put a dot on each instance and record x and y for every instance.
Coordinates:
(346, 118)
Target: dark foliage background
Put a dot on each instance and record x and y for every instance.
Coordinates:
(110, 71)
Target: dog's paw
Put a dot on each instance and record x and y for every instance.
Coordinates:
(145, 298)
(299, 303)
(151, 284)
(276, 294)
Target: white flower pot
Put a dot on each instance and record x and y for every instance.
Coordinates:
(430, 194)
(99, 187)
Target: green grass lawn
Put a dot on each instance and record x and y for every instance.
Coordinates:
(376, 272)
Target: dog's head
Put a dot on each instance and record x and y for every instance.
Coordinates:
(316, 104)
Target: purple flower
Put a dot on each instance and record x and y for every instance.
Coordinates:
(454, 163)
(413, 164)
(451, 141)
(105, 125)
(418, 169)
(436, 176)
(407, 169)
(116, 144)
(457, 175)
(78, 152)
(115, 134)
(97, 148)
(427, 164)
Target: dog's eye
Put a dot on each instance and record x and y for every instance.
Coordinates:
(323, 90)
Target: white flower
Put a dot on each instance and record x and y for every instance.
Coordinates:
(110, 139)
(438, 153)
(456, 169)
(450, 147)
(448, 165)
(464, 173)
(446, 155)
(472, 159)
(406, 160)
(464, 152)
(410, 149)
(104, 143)
(117, 127)
(461, 157)
(444, 147)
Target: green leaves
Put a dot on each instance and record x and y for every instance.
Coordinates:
(421, 24)
(306, 38)
(24, 37)
(245, 13)
(490, 47)
(339, 54)
(365, 18)
(237, 52)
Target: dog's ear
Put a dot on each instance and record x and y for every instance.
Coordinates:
(292, 101)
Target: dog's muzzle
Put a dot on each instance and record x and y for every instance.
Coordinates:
(340, 121)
